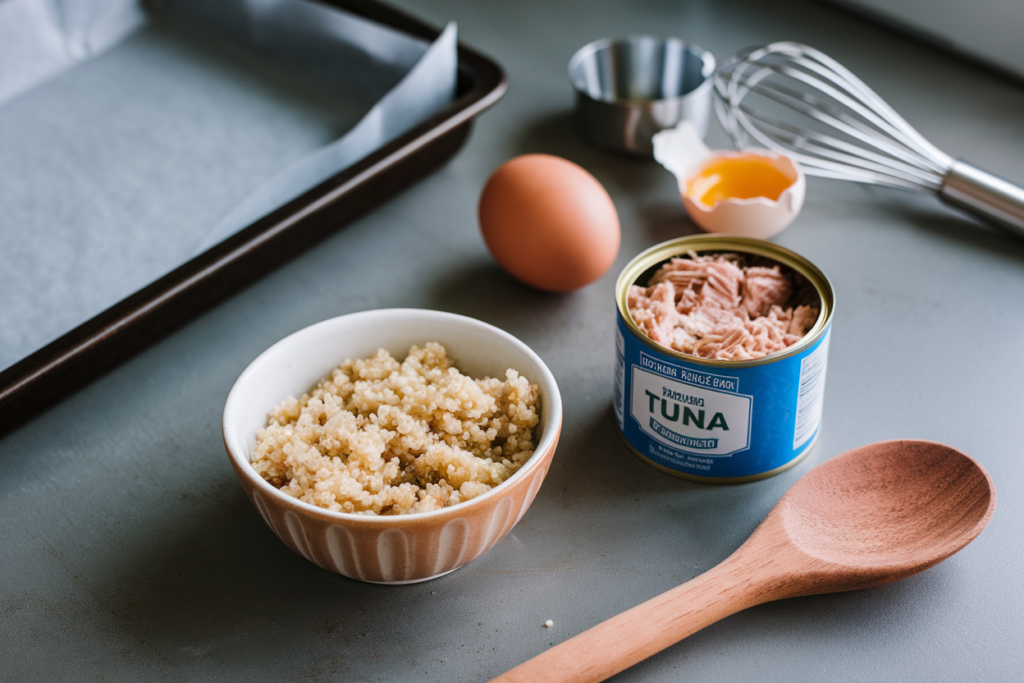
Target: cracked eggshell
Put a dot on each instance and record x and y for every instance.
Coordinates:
(757, 217)
(682, 151)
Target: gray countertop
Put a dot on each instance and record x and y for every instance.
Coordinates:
(131, 552)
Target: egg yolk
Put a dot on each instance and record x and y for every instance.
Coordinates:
(738, 178)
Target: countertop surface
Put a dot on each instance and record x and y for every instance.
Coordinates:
(130, 550)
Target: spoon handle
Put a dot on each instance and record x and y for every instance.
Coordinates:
(635, 635)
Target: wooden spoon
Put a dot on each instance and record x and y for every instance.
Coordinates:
(873, 515)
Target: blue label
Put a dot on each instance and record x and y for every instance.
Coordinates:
(718, 422)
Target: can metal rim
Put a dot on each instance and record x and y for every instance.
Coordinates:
(660, 253)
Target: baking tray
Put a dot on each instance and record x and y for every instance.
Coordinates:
(94, 347)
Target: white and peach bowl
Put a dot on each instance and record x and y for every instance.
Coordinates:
(401, 548)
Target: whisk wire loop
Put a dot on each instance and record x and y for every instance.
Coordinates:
(827, 159)
(885, 149)
(879, 166)
(894, 152)
(810, 58)
(842, 129)
(832, 116)
(877, 108)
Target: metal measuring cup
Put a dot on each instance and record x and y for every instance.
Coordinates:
(628, 89)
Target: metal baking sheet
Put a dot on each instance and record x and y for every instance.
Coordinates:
(277, 225)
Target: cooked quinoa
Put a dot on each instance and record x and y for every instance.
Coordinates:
(379, 437)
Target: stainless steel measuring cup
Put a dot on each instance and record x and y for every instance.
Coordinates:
(628, 89)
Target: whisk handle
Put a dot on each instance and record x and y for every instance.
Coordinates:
(989, 197)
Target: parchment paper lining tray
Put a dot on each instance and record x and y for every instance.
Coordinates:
(155, 158)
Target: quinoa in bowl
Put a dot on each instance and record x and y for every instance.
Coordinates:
(383, 437)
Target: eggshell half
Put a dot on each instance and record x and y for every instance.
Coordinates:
(757, 217)
(682, 151)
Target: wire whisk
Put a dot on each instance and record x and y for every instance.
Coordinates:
(800, 102)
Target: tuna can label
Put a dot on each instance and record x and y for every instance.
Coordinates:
(718, 422)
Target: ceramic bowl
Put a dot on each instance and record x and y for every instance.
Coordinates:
(388, 549)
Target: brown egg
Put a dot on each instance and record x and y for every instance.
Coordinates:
(549, 223)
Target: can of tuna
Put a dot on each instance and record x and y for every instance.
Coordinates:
(713, 420)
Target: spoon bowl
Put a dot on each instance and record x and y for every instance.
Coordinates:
(890, 509)
(873, 515)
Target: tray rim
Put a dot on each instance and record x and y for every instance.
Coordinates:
(32, 384)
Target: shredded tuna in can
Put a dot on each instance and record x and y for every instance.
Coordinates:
(717, 307)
